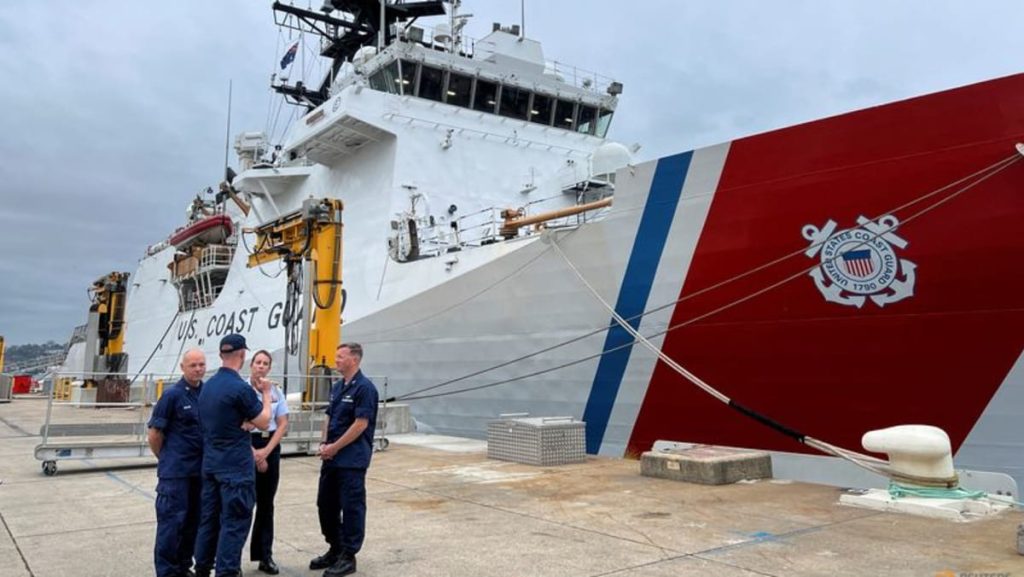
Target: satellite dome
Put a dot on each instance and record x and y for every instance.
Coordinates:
(610, 157)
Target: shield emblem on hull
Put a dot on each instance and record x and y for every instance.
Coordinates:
(860, 263)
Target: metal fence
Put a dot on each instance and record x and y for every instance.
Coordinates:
(94, 417)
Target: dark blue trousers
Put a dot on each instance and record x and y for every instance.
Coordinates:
(261, 545)
(177, 520)
(224, 525)
(341, 504)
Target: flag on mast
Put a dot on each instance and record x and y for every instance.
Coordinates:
(290, 55)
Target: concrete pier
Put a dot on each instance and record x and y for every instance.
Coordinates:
(439, 507)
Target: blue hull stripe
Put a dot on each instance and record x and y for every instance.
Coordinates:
(660, 209)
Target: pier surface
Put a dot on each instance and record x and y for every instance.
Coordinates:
(438, 506)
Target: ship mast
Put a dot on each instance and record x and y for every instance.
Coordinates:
(344, 27)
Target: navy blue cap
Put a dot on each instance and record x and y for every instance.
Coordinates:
(232, 343)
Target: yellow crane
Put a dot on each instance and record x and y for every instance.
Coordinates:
(309, 241)
(105, 359)
(107, 294)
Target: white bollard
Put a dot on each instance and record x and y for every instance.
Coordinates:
(914, 450)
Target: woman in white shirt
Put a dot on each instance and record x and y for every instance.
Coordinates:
(266, 451)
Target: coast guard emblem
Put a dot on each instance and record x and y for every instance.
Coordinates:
(860, 263)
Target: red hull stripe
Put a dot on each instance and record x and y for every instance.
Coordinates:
(834, 371)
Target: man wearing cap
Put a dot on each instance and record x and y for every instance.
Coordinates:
(345, 450)
(177, 441)
(229, 489)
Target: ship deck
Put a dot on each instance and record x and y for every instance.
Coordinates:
(438, 506)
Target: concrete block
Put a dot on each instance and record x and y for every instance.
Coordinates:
(139, 394)
(81, 395)
(394, 419)
(707, 464)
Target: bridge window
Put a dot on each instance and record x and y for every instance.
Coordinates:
(408, 77)
(515, 102)
(431, 83)
(604, 120)
(540, 111)
(588, 116)
(460, 87)
(486, 96)
(386, 79)
(565, 114)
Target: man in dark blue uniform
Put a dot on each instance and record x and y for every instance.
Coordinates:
(229, 485)
(345, 450)
(177, 441)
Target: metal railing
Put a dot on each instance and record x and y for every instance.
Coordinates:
(35, 363)
(484, 227)
(80, 425)
(467, 46)
(200, 286)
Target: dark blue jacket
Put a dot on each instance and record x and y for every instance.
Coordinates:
(176, 415)
(356, 399)
(225, 403)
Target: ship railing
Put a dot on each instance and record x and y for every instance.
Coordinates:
(284, 161)
(201, 282)
(484, 226)
(189, 298)
(436, 237)
(579, 77)
(78, 334)
(216, 256)
(212, 257)
(435, 246)
(467, 46)
(431, 37)
(155, 248)
(477, 227)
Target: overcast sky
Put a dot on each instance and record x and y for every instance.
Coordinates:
(112, 113)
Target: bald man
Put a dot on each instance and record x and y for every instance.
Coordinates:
(177, 441)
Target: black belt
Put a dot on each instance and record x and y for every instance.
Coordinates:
(262, 434)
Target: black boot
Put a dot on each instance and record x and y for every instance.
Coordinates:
(346, 565)
(268, 566)
(324, 561)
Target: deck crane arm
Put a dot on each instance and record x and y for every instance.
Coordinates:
(309, 236)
